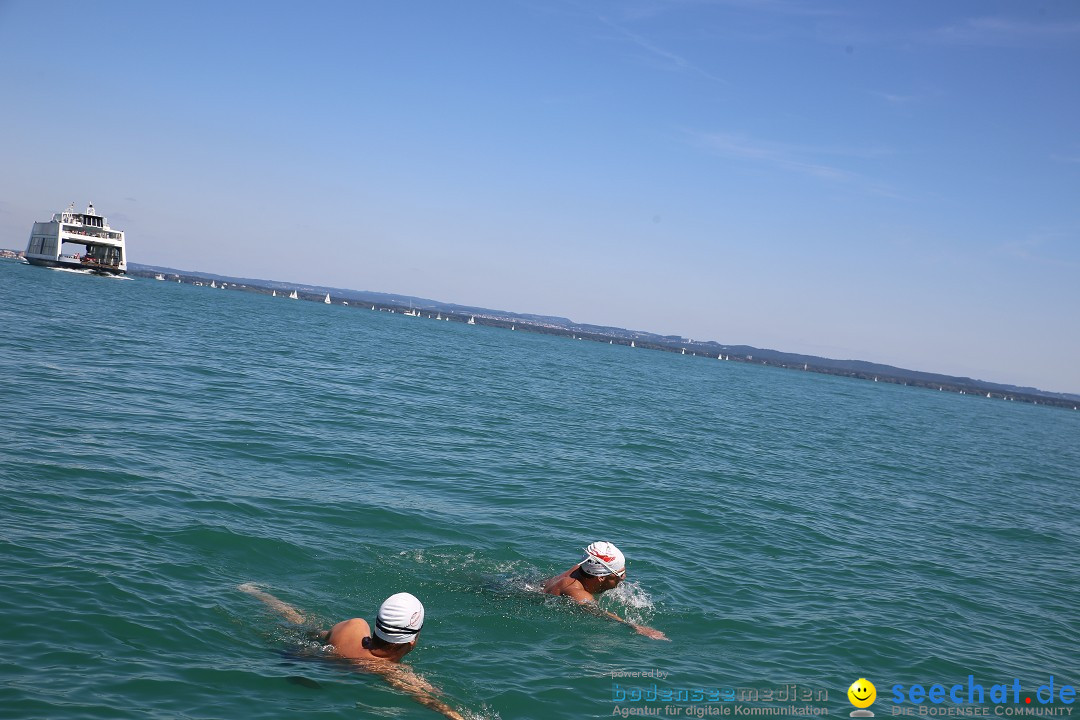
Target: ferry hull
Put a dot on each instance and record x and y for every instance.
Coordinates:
(84, 267)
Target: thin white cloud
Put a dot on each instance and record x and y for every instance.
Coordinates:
(1004, 32)
(1045, 246)
(802, 159)
(894, 98)
(668, 58)
(786, 157)
(908, 100)
(1071, 159)
(648, 9)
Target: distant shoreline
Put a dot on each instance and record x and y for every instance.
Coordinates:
(619, 336)
(862, 370)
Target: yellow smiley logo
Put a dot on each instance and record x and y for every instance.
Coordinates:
(862, 693)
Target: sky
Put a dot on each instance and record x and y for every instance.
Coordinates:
(897, 182)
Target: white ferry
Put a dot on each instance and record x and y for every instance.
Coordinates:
(78, 241)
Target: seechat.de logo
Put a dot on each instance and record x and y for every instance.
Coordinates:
(974, 693)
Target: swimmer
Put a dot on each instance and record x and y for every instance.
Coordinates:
(397, 627)
(602, 569)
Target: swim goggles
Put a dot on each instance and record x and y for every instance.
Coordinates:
(395, 630)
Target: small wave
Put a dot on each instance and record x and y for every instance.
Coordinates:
(599, 671)
(516, 585)
(529, 586)
(464, 560)
(309, 647)
(303, 681)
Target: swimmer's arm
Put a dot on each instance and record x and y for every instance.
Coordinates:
(583, 598)
(423, 692)
(287, 611)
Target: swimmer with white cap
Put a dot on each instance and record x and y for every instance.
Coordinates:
(397, 627)
(601, 569)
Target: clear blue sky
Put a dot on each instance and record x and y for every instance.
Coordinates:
(888, 181)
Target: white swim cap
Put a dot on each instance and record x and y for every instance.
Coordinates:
(400, 618)
(603, 558)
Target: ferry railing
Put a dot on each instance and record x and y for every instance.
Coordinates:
(105, 236)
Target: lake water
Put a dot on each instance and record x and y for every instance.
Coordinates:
(162, 443)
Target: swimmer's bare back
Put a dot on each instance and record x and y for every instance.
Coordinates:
(350, 640)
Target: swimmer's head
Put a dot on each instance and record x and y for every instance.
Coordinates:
(400, 619)
(603, 559)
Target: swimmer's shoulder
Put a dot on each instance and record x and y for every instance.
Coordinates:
(563, 584)
(348, 637)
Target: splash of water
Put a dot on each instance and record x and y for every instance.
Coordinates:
(632, 599)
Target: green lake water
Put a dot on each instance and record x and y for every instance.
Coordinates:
(162, 443)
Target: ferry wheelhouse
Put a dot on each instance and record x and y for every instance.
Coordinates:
(78, 241)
